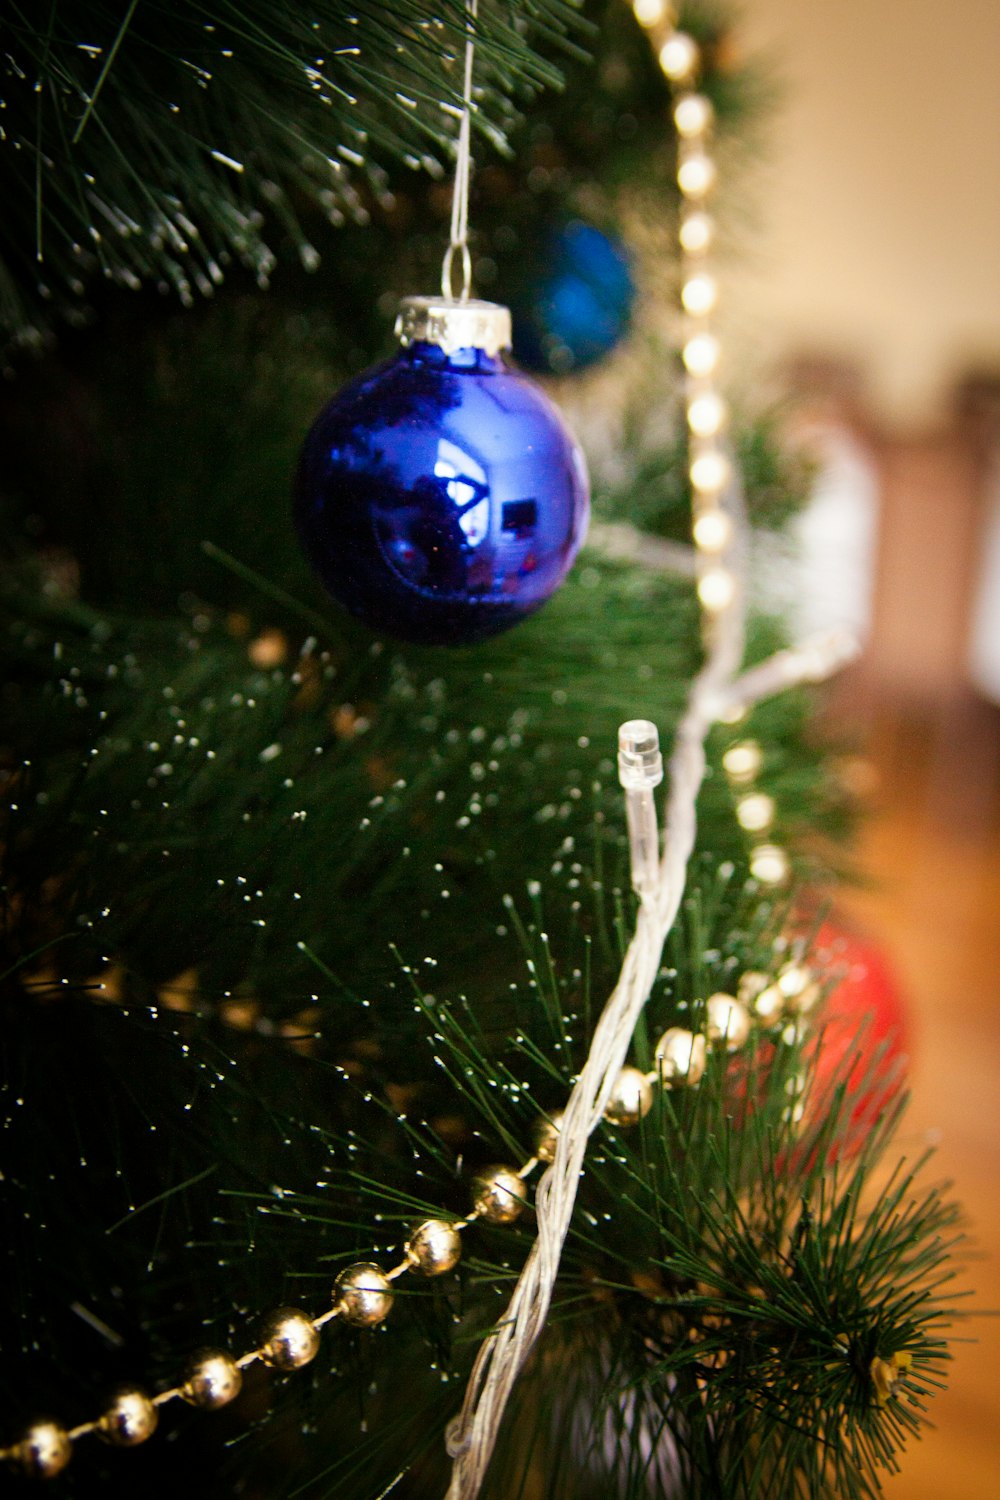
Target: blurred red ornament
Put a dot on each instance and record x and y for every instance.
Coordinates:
(862, 1029)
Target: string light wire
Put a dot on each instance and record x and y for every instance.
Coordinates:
(720, 535)
(472, 1435)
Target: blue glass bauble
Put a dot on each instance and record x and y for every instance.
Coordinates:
(578, 305)
(440, 497)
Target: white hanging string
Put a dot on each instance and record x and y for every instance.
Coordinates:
(459, 236)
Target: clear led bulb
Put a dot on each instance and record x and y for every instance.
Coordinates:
(640, 770)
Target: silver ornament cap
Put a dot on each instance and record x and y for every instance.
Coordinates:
(452, 324)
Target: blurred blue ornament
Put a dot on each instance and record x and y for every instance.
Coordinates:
(579, 305)
(440, 496)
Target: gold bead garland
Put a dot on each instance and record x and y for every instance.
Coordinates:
(289, 1338)
(680, 1054)
(363, 1293)
(755, 812)
(680, 60)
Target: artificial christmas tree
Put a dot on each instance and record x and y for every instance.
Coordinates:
(313, 934)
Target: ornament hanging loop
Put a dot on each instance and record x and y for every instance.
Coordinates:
(459, 236)
(447, 273)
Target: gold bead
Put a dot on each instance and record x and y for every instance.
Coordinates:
(363, 1295)
(695, 234)
(701, 354)
(698, 296)
(130, 1419)
(679, 57)
(680, 1056)
(706, 414)
(769, 864)
(213, 1380)
(709, 472)
(755, 812)
(742, 762)
(45, 1449)
(631, 1098)
(498, 1194)
(696, 174)
(769, 1003)
(693, 114)
(799, 987)
(750, 985)
(716, 589)
(435, 1246)
(711, 530)
(289, 1339)
(727, 1020)
(652, 12)
(546, 1134)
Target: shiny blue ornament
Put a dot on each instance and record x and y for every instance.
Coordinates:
(578, 305)
(440, 496)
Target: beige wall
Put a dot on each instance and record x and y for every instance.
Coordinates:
(877, 203)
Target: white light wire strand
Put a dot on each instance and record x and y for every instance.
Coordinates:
(472, 1435)
(458, 242)
(717, 692)
(718, 689)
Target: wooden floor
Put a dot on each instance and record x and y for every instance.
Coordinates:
(933, 847)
